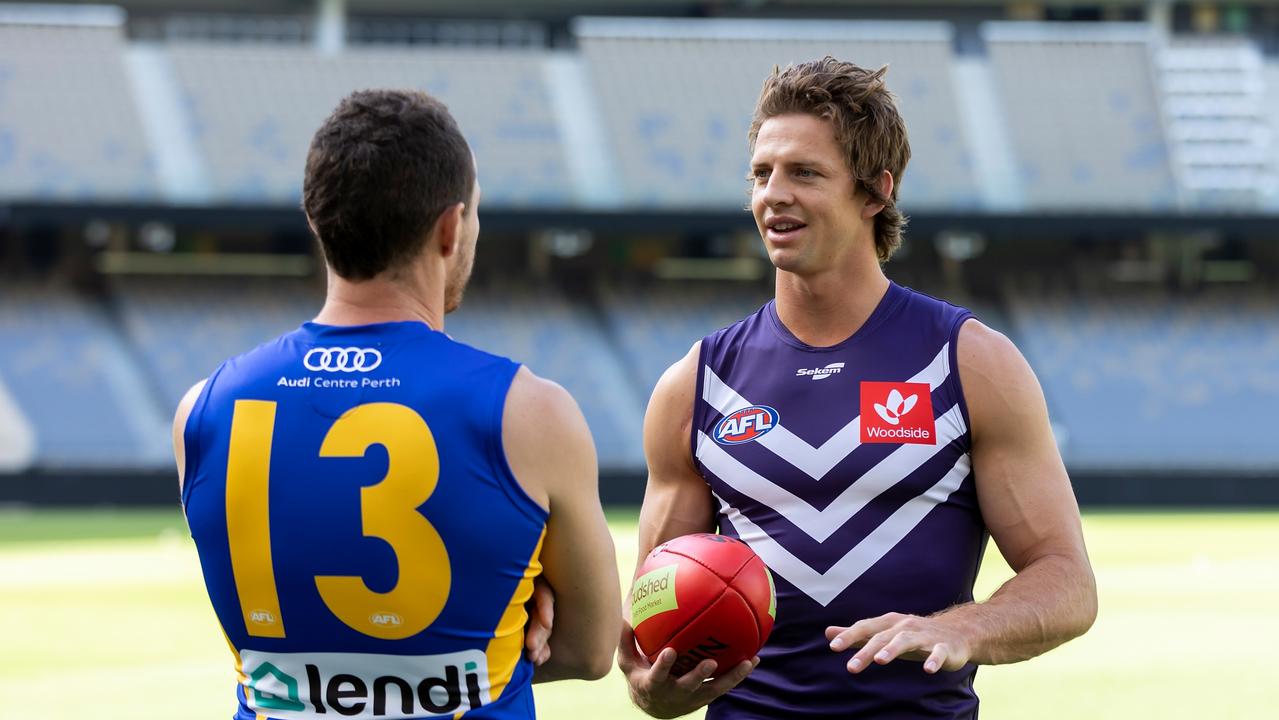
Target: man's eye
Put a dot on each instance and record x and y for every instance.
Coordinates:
(805, 173)
(759, 175)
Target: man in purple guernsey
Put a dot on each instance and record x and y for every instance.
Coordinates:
(863, 439)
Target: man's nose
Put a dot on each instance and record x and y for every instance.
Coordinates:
(777, 192)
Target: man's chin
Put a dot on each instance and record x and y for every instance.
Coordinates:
(787, 262)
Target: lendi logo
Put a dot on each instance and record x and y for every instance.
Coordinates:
(313, 685)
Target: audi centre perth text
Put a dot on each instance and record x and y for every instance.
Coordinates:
(338, 382)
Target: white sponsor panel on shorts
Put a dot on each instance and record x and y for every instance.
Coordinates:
(319, 686)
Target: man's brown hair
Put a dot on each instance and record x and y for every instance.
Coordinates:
(867, 126)
(381, 170)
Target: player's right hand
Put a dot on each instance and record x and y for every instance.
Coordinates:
(655, 692)
(541, 619)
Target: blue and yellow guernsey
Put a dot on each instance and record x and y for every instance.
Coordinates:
(365, 546)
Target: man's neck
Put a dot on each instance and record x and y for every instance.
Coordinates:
(828, 308)
(382, 300)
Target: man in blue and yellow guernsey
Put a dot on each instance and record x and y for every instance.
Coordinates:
(371, 500)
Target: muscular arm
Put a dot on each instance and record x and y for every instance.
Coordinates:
(550, 451)
(677, 501)
(1030, 510)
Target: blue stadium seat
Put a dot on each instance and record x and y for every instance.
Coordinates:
(253, 109)
(76, 382)
(1146, 380)
(69, 130)
(680, 137)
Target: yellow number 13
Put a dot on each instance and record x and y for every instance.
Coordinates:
(388, 510)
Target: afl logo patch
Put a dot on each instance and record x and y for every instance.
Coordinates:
(745, 425)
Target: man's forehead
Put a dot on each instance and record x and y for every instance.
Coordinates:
(786, 136)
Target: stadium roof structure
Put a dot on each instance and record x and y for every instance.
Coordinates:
(566, 8)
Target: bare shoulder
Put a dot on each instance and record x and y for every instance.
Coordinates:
(983, 350)
(1000, 388)
(180, 417)
(669, 418)
(545, 436)
(677, 386)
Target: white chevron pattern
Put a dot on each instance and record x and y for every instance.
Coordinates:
(819, 524)
(813, 461)
(816, 462)
(825, 587)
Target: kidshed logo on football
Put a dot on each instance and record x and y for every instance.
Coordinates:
(897, 412)
(745, 425)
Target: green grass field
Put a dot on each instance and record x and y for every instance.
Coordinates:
(103, 615)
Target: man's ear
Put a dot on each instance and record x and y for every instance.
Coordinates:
(873, 206)
(448, 229)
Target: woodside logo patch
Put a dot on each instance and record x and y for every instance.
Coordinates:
(897, 412)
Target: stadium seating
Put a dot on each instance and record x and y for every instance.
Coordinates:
(1270, 78)
(565, 342)
(183, 328)
(252, 110)
(69, 130)
(1091, 138)
(648, 112)
(1153, 381)
(77, 383)
(655, 326)
(677, 97)
(1213, 100)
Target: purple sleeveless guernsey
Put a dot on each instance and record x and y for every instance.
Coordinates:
(847, 469)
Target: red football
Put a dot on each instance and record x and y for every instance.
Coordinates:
(708, 597)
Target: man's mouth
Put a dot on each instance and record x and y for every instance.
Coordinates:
(785, 228)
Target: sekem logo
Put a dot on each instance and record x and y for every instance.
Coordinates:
(820, 373)
(897, 412)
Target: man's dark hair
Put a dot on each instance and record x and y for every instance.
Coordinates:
(866, 122)
(381, 170)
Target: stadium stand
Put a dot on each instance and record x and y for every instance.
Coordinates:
(76, 383)
(17, 437)
(565, 342)
(656, 325)
(1213, 100)
(183, 328)
(1093, 138)
(1270, 78)
(677, 95)
(252, 110)
(68, 126)
(1146, 380)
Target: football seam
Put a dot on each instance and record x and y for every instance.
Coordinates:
(688, 622)
(711, 569)
(759, 628)
(728, 585)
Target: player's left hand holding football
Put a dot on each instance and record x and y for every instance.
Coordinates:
(895, 635)
(662, 695)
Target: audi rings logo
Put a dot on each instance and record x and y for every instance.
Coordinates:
(338, 359)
